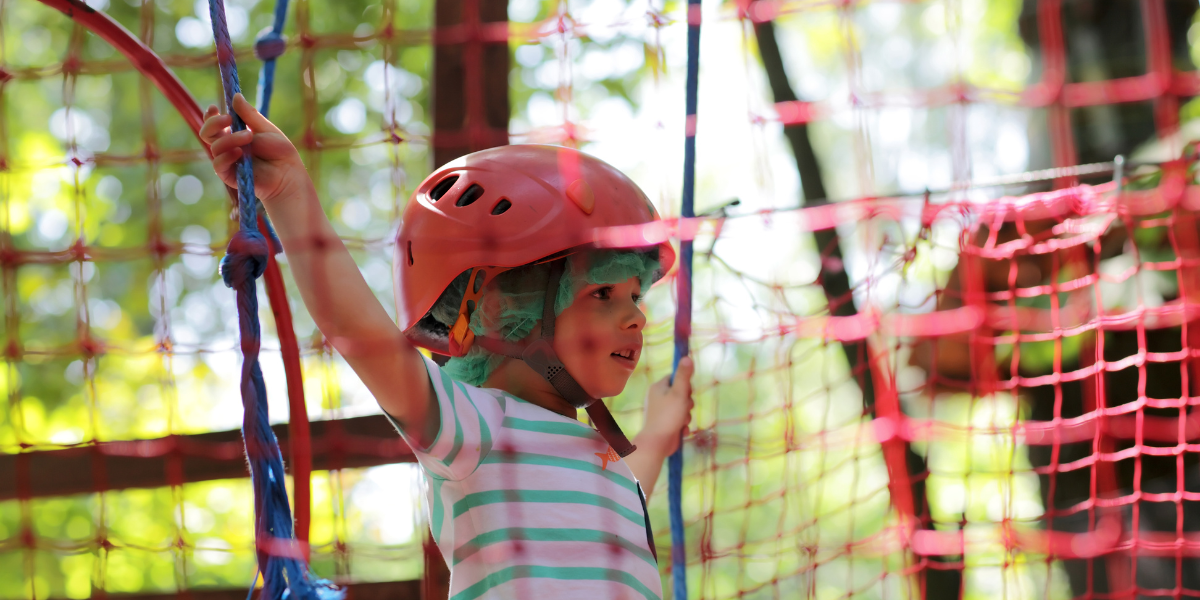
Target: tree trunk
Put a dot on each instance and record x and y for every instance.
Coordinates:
(938, 583)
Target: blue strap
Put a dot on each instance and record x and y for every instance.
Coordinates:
(245, 260)
(683, 314)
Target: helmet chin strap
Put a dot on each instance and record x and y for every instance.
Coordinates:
(541, 357)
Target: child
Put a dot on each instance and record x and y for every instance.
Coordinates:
(492, 269)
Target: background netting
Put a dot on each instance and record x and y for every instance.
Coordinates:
(1001, 404)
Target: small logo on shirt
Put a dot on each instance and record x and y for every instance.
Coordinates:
(607, 457)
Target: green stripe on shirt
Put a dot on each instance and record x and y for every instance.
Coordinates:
(549, 534)
(565, 573)
(544, 496)
(485, 432)
(438, 511)
(448, 384)
(553, 427)
(530, 458)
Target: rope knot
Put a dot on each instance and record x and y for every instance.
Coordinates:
(269, 45)
(245, 258)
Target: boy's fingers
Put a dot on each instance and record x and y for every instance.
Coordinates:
(213, 127)
(250, 115)
(223, 162)
(683, 373)
(271, 146)
(686, 365)
(228, 142)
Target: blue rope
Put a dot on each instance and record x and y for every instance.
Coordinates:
(269, 46)
(683, 314)
(244, 262)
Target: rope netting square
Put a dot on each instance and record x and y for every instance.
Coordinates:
(954, 374)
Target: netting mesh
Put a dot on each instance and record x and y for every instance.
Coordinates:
(1000, 405)
(119, 327)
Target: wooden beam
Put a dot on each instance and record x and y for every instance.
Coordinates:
(178, 459)
(391, 590)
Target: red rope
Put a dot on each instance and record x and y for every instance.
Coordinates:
(299, 437)
(153, 68)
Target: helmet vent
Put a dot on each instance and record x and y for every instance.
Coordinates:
(442, 187)
(410, 258)
(501, 207)
(472, 194)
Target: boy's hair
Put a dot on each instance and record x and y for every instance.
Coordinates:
(511, 304)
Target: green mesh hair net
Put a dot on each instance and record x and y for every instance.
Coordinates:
(511, 304)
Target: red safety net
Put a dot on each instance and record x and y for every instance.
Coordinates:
(995, 402)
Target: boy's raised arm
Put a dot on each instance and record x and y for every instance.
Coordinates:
(334, 291)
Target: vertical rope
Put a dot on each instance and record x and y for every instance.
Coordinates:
(269, 46)
(683, 313)
(280, 560)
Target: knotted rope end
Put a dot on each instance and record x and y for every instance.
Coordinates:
(269, 45)
(245, 258)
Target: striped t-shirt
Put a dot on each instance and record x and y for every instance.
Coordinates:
(526, 503)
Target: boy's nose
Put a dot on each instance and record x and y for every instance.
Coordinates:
(636, 320)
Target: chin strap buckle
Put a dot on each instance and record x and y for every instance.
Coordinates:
(540, 356)
(461, 336)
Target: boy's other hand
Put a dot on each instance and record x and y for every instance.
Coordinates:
(276, 161)
(669, 406)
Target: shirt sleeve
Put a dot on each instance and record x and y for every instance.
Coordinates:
(470, 419)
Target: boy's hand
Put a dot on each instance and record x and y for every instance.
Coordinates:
(276, 162)
(668, 413)
(669, 407)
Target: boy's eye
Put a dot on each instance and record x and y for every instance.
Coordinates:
(605, 293)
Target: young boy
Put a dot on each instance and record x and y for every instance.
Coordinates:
(492, 269)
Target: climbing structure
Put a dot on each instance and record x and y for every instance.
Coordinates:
(944, 340)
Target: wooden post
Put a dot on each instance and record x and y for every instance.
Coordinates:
(470, 113)
(470, 77)
(435, 583)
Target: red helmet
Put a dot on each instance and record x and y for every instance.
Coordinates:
(501, 208)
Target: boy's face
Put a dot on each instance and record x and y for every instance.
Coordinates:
(599, 336)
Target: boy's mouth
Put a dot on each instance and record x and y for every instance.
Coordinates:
(626, 357)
